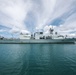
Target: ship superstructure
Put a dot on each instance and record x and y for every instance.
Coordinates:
(39, 37)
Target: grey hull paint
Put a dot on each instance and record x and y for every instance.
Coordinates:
(38, 41)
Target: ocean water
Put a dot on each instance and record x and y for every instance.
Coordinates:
(37, 59)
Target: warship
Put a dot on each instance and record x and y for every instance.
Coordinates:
(39, 38)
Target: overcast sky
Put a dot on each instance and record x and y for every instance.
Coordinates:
(30, 15)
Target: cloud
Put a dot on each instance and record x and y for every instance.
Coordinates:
(63, 9)
(69, 27)
(46, 8)
(2, 30)
(64, 16)
(19, 13)
(13, 13)
(29, 15)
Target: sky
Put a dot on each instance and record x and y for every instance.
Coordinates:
(28, 16)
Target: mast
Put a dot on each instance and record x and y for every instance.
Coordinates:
(51, 30)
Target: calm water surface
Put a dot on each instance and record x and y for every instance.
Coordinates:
(37, 59)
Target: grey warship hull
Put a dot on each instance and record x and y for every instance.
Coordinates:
(37, 41)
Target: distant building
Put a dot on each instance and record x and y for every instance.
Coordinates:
(1, 37)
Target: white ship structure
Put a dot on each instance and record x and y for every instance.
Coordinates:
(40, 38)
